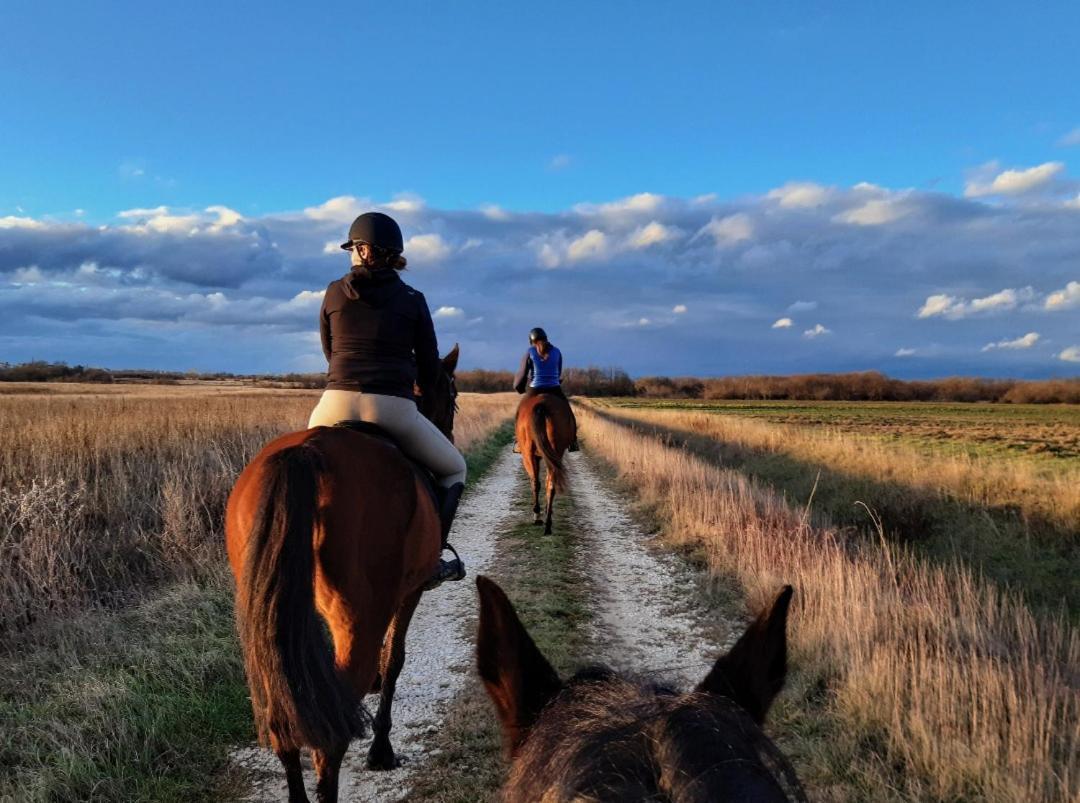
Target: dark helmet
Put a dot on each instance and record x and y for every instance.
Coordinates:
(537, 334)
(376, 229)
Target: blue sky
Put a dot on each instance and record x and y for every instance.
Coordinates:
(890, 166)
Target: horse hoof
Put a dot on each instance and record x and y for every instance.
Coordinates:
(383, 760)
(547, 530)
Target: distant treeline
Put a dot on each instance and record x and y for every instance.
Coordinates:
(593, 381)
(62, 372)
(862, 386)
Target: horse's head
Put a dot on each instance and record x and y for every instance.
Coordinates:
(599, 736)
(440, 404)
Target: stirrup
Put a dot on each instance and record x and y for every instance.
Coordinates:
(447, 571)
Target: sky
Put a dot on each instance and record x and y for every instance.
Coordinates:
(680, 188)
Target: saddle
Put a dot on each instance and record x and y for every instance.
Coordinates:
(377, 432)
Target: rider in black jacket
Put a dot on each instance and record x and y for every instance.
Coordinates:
(378, 338)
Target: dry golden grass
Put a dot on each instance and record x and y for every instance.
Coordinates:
(938, 686)
(101, 492)
(1050, 494)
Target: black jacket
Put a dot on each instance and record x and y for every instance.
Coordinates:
(377, 335)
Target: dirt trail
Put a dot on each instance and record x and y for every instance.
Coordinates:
(646, 617)
(645, 620)
(438, 658)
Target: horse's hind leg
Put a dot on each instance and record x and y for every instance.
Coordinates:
(381, 754)
(328, 770)
(294, 773)
(536, 488)
(550, 503)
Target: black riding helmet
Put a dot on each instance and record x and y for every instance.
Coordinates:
(375, 229)
(537, 334)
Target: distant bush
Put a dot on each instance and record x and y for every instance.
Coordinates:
(479, 380)
(593, 381)
(40, 371)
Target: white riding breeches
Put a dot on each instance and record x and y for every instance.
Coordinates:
(415, 435)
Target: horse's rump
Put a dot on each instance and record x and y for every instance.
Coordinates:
(333, 523)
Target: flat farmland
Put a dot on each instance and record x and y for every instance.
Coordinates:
(1046, 433)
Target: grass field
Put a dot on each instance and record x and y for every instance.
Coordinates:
(1006, 514)
(120, 676)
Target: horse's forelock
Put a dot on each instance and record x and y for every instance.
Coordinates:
(611, 738)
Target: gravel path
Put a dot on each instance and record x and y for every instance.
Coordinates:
(645, 620)
(648, 617)
(438, 657)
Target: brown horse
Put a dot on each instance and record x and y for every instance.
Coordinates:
(337, 525)
(545, 430)
(601, 737)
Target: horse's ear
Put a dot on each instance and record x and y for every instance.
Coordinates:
(518, 677)
(753, 671)
(450, 360)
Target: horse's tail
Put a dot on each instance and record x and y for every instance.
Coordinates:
(296, 692)
(538, 421)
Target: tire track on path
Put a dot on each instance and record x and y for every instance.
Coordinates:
(439, 657)
(648, 615)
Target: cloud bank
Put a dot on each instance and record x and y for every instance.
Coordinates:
(652, 283)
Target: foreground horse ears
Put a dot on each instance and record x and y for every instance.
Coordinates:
(753, 671)
(518, 677)
(450, 360)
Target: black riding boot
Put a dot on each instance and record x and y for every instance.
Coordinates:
(454, 569)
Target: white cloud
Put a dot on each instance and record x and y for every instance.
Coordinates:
(783, 323)
(28, 275)
(1070, 354)
(904, 353)
(1013, 182)
(679, 309)
(651, 234)
(449, 312)
(1065, 298)
(875, 212)
(341, 209)
(426, 248)
(639, 204)
(225, 216)
(956, 308)
(799, 195)
(1069, 139)
(559, 161)
(160, 221)
(802, 306)
(728, 230)
(644, 322)
(494, 212)
(549, 256)
(332, 247)
(405, 204)
(1023, 342)
(590, 245)
(12, 222)
(817, 331)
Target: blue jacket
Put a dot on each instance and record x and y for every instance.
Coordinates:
(537, 372)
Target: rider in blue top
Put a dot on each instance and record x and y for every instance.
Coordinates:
(541, 372)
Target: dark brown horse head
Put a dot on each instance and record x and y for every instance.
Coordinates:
(440, 404)
(599, 736)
